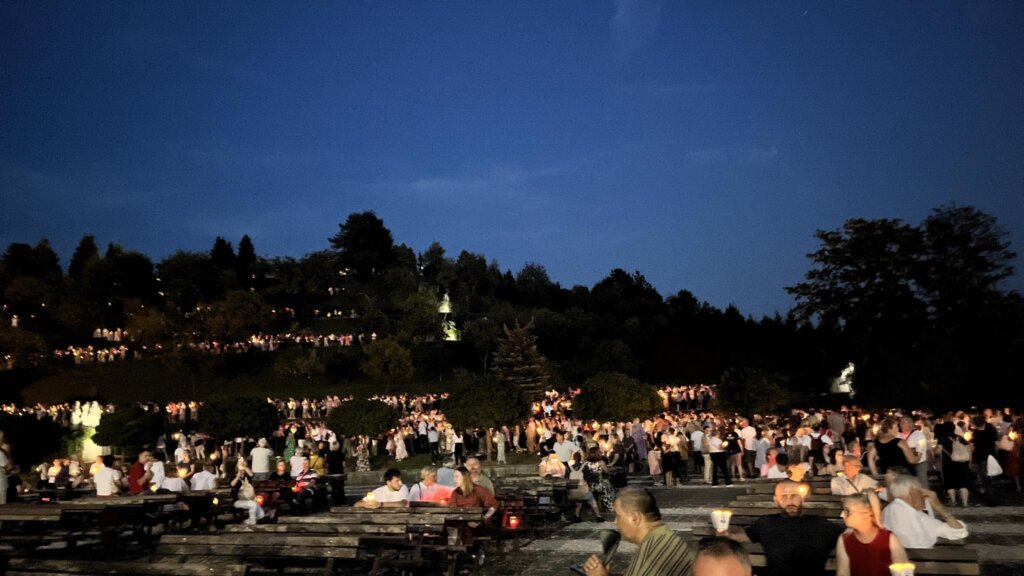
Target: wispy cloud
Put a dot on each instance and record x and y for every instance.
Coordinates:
(635, 21)
(763, 154)
(494, 178)
(708, 155)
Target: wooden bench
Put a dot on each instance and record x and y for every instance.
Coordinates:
(404, 538)
(279, 551)
(46, 567)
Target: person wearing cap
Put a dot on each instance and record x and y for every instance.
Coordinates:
(850, 480)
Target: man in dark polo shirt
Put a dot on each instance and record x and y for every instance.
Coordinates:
(793, 543)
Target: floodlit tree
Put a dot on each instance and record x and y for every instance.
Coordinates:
(518, 363)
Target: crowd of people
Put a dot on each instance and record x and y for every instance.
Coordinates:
(119, 345)
(901, 473)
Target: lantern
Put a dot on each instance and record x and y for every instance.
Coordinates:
(216, 501)
(512, 517)
(260, 499)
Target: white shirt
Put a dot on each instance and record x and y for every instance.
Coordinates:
(845, 486)
(697, 437)
(917, 529)
(157, 469)
(749, 437)
(565, 450)
(775, 474)
(261, 460)
(174, 484)
(106, 480)
(296, 463)
(385, 494)
(203, 480)
(919, 443)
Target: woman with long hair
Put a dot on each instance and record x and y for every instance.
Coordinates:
(866, 549)
(470, 495)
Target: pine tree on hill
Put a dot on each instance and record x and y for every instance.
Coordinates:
(517, 362)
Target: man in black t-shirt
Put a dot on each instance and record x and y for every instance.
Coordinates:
(793, 543)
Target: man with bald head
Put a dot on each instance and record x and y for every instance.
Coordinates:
(793, 543)
(661, 551)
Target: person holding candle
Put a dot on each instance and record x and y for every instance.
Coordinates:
(393, 494)
(866, 549)
(793, 543)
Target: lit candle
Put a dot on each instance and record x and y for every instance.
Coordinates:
(370, 496)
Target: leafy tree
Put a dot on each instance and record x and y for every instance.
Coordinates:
(388, 362)
(25, 346)
(364, 245)
(483, 402)
(612, 355)
(863, 287)
(238, 418)
(246, 262)
(148, 326)
(223, 255)
(421, 320)
(610, 396)
(362, 417)
(239, 316)
(86, 251)
(188, 279)
(129, 427)
(534, 286)
(39, 262)
(749, 391)
(308, 365)
(519, 364)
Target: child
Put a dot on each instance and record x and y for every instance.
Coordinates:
(654, 465)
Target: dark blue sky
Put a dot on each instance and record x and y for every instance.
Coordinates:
(701, 143)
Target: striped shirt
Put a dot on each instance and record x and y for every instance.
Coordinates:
(662, 553)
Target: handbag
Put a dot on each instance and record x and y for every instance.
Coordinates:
(959, 452)
(993, 467)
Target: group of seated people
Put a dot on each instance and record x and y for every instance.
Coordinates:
(866, 544)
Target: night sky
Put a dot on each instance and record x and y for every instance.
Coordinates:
(701, 143)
